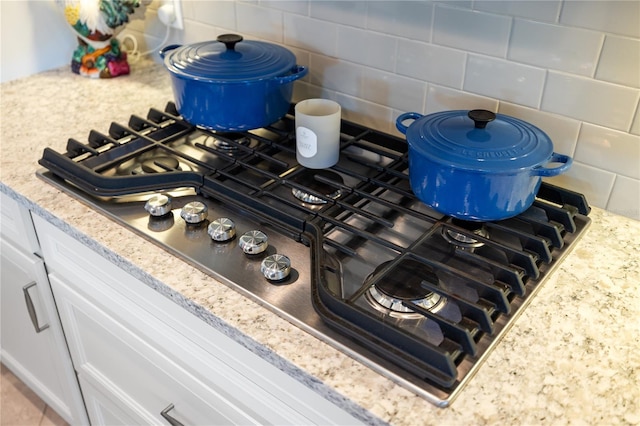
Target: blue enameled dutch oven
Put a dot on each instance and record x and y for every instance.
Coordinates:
(232, 84)
(477, 165)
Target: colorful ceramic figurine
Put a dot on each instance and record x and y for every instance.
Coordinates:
(96, 23)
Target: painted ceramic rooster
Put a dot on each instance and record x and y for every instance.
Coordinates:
(96, 22)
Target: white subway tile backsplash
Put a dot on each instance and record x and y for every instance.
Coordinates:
(303, 90)
(612, 16)
(505, 80)
(471, 30)
(261, 22)
(562, 131)
(597, 102)
(594, 183)
(635, 127)
(609, 150)
(366, 113)
(352, 13)
(334, 74)
(410, 19)
(620, 61)
(310, 34)
(218, 13)
(396, 91)
(197, 32)
(301, 7)
(552, 46)
(466, 4)
(443, 99)
(545, 11)
(625, 197)
(367, 48)
(435, 64)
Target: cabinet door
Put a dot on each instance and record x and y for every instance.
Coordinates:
(31, 338)
(135, 375)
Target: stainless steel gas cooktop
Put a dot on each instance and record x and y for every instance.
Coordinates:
(348, 254)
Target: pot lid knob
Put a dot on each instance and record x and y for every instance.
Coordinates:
(481, 117)
(230, 40)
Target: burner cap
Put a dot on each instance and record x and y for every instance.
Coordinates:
(463, 240)
(402, 284)
(222, 140)
(308, 178)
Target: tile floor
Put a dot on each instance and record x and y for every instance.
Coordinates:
(19, 405)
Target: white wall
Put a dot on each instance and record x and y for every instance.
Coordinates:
(34, 36)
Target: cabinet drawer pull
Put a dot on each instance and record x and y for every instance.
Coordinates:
(172, 421)
(31, 308)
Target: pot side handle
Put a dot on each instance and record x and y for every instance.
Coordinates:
(406, 116)
(297, 72)
(166, 49)
(554, 171)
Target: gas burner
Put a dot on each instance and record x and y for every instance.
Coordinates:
(463, 240)
(309, 179)
(403, 284)
(228, 142)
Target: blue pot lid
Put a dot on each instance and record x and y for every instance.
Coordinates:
(479, 140)
(229, 59)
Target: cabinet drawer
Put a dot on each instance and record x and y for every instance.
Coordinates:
(110, 356)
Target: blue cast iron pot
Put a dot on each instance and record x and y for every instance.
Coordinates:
(230, 84)
(477, 165)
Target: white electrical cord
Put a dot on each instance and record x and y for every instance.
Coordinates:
(133, 55)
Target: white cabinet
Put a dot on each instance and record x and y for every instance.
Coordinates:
(141, 358)
(31, 338)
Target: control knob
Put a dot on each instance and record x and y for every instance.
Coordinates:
(222, 229)
(158, 205)
(194, 212)
(253, 242)
(276, 267)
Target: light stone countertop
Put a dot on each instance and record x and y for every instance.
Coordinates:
(572, 357)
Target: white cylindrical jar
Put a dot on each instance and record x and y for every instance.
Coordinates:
(317, 133)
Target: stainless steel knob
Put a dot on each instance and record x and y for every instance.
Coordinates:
(253, 242)
(222, 229)
(158, 205)
(194, 212)
(276, 267)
